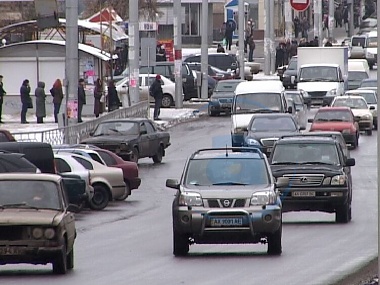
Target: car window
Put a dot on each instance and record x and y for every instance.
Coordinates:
(141, 81)
(86, 164)
(108, 159)
(292, 64)
(185, 70)
(162, 69)
(117, 128)
(143, 128)
(145, 69)
(270, 124)
(369, 97)
(357, 75)
(334, 116)
(150, 129)
(193, 59)
(96, 157)
(358, 42)
(368, 83)
(295, 96)
(62, 166)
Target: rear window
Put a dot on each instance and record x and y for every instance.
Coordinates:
(358, 41)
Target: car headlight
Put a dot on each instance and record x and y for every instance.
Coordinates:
(263, 198)
(366, 117)
(250, 141)
(37, 233)
(338, 180)
(190, 199)
(332, 92)
(49, 233)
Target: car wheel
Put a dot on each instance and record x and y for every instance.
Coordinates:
(180, 244)
(60, 262)
(100, 199)
(342, 214)
(274, 242)
(157, 158)
(167, 101)
(368, 132)
(371, 66)
(211, 113)
(375, 126)
(135, 155)
(355, 144)
(70, 259)
(126, 193)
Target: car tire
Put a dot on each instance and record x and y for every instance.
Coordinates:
(355, 144)
(126, 193)
(100, 199)
(60, 262)
(70, 260)
(368, 132)
(375, 127)
(180, 244)
(157, 158)
(343, 214)
(274, 242)
(211, 113)
(135, 155)
(167, 101)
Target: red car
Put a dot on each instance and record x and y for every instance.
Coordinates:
(339, 119)
(130, 170)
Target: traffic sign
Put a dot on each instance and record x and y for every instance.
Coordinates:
(300, 5)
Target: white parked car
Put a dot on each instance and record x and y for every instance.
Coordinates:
(168, 88)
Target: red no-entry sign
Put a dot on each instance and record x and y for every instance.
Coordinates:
(300, 5)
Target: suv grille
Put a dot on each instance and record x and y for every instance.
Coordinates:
(268, 142)
(226, 203)
(11, 233)
(317, 93)
(305, 179)
(225, 100)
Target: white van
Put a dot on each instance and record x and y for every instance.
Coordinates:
(371, 48)
(252, 97)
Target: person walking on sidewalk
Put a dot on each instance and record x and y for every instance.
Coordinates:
(81, 99)
(2, 94)
(40, 102)
(57, 93)
(98, 93)
(252, 46)
(155, 91)
(305, 27)
(26, 100)
(229, 33)
(248, 33)
(113, 98)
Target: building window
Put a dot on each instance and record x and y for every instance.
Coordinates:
(192, 19)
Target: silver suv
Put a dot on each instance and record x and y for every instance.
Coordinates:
(227, 195)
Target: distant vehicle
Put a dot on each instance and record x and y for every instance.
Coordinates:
(369, 83)
(339, 119)
(367, 25)
(289, 77)
(195, 66)
(131, 139)
(222, 97)
(214, 72)
(300, 106)
(371, 50)
(220, 193)
(355, 78)
(358, 64)
(38, 220)
(16, 162)
(370, 97)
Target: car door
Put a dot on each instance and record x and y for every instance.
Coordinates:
(153, 137)
(144, 88)
(143, 141)
(68, 221)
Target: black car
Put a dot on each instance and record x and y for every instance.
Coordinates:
(16, 162)
(210, 80)
(318, 172)
(130, 139)
(355, 78)
(222, 97)
(289, 78)
(265, 129)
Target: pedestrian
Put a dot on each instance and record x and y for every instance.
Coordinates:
(98, 93)
(230, 27)
(345, 18)
(328, 43)
(155, 91)
(57, 93)
(81, 99)
(113, 98)
(26, 100)
(220, 48)
(248, 33)
(296, 25)
(305, 28)
(252, 46)
(293, 49)
(160, 53)
(40, 102)
(280, 54)
(2, 94)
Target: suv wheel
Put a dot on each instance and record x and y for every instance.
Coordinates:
(368, 132)
(343, 214)
(212, 113)
(355, 143)
(157, 158)
(180, 244)
(274, 242)
(100, 199)
(167, 101)
(60, 262)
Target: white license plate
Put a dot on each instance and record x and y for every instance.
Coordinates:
(226, 222)
(303, 193)
(12, 251)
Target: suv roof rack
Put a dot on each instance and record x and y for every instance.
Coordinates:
(231, 149)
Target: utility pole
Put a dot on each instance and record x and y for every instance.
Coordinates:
(331, 19)
(241, 38)
(317, 19)
(267, 55)
(351, 18)
(134, 51)
(378, 155)
(111, 43)
(71, 63)
(204, 50)
(177, 10)
(288, 19)
(272, 38)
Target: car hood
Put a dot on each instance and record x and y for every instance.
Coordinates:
(331, 126)
(220, 94)
(265, 135)
(228, 192)
(109, 139)
(328, 170)
(316, 86)
(30, 217)
(360, 112)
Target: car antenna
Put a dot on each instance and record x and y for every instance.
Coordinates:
(226, 151)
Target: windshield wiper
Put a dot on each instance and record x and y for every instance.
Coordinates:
(18, 205)
(229, 183)
(283, 163)
(316, 162)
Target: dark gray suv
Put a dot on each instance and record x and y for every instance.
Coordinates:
(227, 195)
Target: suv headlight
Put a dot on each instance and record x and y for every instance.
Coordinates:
(263, 198)
(338, 180)
(366, 117)
(250, 141)
(332, 92)
(190, 199)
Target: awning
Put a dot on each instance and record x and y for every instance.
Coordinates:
(233, 5)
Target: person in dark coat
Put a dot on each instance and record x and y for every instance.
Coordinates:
(230, 28)
(98, 93)
(2, 94)
(328, 43)
(293, 49)
(81, 99)
(113, 98)
(57, 92)
(220, 48)
(26, 100)
(251, 46)
(155, 91)
(297, 26)
(160, 53)
(315, 42)
(40, 102)
(280, 54)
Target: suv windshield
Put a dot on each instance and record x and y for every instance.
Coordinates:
(368, 83)
(227, 171)
(273, 124)
(305, 153)
(353, 103)
(319, 73)
(257, 102)
(357, 75)
(292, 64)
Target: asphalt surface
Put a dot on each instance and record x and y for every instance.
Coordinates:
(130, 242)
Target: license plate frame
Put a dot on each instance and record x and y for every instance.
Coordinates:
(222, 222)
(12, 250)
(303, 194)
(226, 105)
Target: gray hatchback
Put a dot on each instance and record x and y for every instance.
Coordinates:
(227, 196)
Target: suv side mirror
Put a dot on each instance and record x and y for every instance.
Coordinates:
(372, 107)
(172, 183)
(282, 182)
(350, 162)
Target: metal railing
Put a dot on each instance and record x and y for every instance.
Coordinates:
(75, 133)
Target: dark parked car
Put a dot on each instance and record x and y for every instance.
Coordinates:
(289, 78)
(131, 139)
(16, 162)
(210, 80)
(355, 78)
(318, 175)
(222, 97)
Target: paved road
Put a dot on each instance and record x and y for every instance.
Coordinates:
(131, 242)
